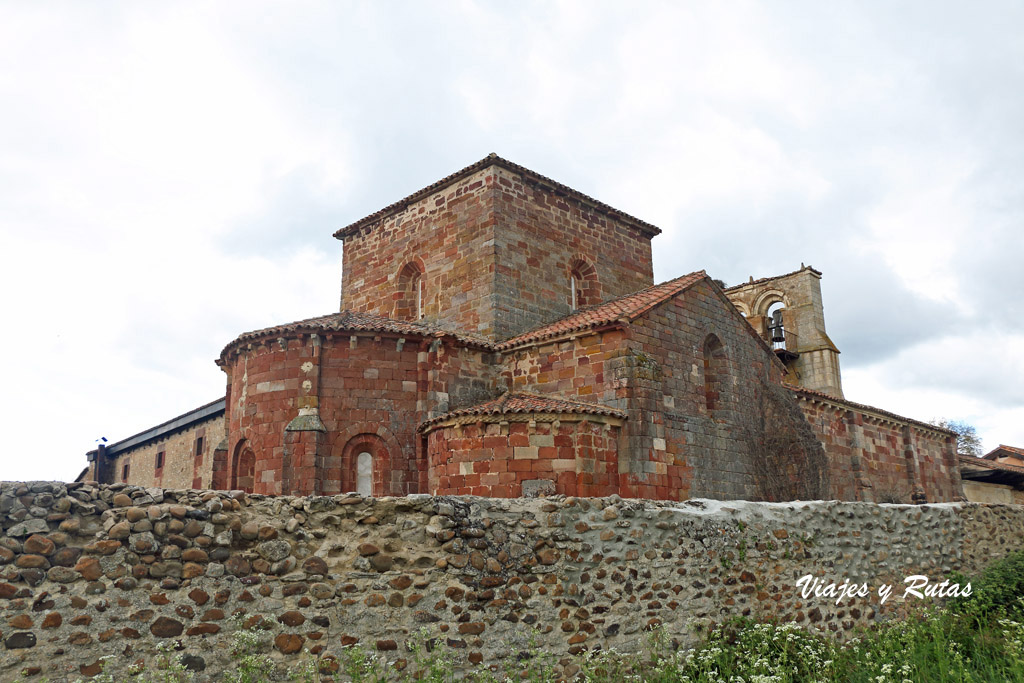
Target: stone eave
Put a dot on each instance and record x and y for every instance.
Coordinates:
(494, 160)
(876, 414)
(763, 280)
(506, 418)
(620, 324)
(236, 347)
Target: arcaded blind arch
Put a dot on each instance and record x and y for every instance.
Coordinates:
(243, 470)
(410, 295)
(584, 287)
(716, 371)
(367, 467)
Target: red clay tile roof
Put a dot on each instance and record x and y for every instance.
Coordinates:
(494, 160)
(526, 402)
(626, 308)
(1010, 450)
(773, 277)
(972, 461)
(861, 406)
(358, 322)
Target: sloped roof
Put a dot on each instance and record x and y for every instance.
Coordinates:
(626, 308)
(358, 322)
(1007, 450)
(524, 402)
(973, 461)
(185, 420)
(988, 472)
(494, 160)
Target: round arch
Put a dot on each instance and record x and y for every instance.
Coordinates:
(716, 372)
(243, 468)
(766, 299)
(356, 467)
(410, 290)
(584, 286)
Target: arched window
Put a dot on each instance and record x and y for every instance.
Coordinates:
(776, 327)
(409, 299)
(366, 466)
(716, 371)
(584, 289)
(243, 470)
(364, 474)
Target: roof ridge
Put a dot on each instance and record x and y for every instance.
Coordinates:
(607, 312)
(493, 159)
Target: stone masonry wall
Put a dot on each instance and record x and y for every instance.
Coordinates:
(817, 366)
(88, 571)
(514, 459)
(689, 424)
(371, 388)
(882, 458)
(538, 235)
(450, 236)
(183, 467)
(496, 251)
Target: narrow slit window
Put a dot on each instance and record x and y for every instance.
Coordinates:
(419, 296)
(410, 294)
(584, 289)
(364, 474)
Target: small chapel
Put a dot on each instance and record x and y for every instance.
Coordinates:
(501, 334)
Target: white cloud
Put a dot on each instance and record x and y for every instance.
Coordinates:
(171, 175)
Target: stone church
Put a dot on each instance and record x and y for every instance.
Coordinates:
(501, 334)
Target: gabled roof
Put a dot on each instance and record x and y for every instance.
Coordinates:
(358, 322)
(1004, 451)
(494, 160)
(523, 402)
(625, 309)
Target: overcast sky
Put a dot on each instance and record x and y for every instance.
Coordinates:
(171, 175)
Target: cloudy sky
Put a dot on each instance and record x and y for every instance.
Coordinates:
(171, 174)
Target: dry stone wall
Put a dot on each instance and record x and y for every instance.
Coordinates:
(89, 571)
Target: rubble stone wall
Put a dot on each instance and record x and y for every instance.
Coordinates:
(89, 571)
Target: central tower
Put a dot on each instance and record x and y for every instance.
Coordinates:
(493, 250)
